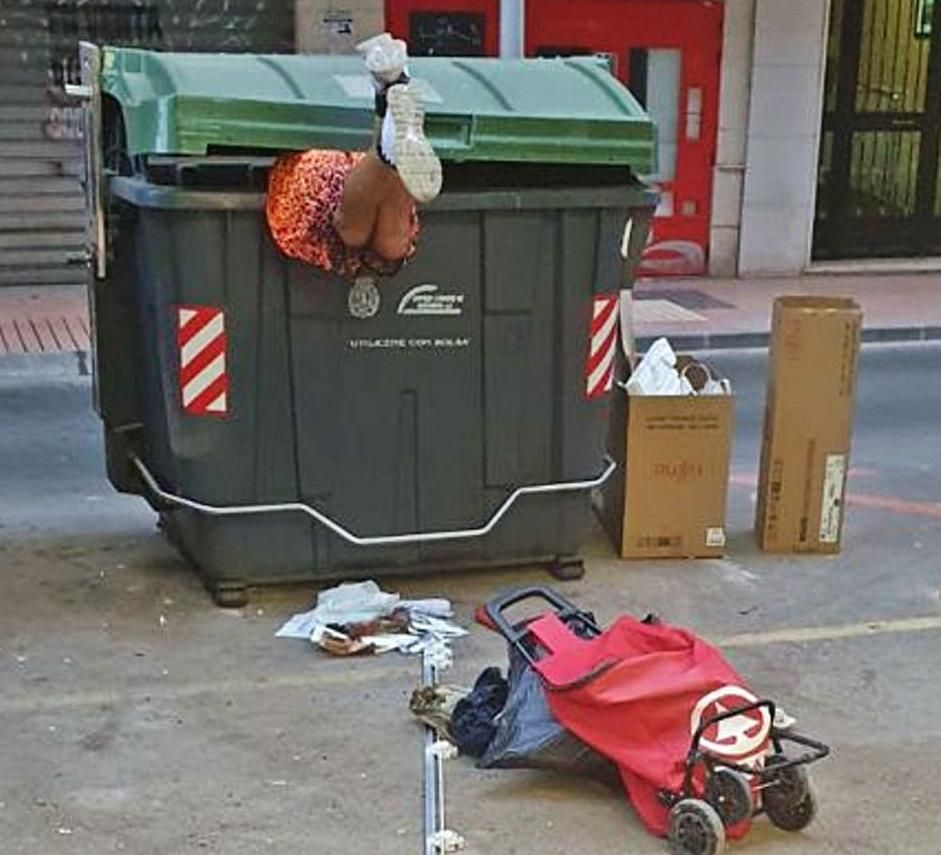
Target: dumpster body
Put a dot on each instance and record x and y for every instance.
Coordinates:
(292, 426)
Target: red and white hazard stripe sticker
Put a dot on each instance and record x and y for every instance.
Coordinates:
(204, 380)
(599, 370)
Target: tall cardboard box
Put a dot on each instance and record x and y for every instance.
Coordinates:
(808, 424)
(674, 454)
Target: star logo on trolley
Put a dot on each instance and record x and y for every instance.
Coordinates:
(738, 736)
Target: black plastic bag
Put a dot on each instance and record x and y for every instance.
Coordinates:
(473, 722)
(528, 737)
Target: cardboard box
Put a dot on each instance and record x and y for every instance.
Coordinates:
(674, 453)
(808, 424)
(334, 26)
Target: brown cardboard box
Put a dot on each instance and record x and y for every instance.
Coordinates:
(671, 501)
(808, 423)
(336, 26)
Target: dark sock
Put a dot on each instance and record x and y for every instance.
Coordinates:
(382, 103)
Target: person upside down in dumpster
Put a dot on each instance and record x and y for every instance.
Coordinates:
(353, 213)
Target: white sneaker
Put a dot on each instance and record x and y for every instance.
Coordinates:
(385, 58)
(417, 164)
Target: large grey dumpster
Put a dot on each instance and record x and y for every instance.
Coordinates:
(288, 426)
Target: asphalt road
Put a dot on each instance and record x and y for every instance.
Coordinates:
(136, 717)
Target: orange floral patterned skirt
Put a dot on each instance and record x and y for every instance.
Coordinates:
(304, 192)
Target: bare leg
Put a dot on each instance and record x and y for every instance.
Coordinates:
(371, 180)
(366, 187)
(376, 210)
(393, 237)
(378, 203)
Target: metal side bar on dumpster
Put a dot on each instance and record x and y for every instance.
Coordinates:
(376, 540)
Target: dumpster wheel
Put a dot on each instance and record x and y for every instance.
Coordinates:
(567, 568)
(229, 595)
(226, 593)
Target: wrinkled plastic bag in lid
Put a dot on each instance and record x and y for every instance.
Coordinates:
(656, 373)
(662, 372)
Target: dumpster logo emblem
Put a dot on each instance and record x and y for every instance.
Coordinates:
(599, 369)
(204, 379)
(364, 300)
(738, 736)
(428, 300)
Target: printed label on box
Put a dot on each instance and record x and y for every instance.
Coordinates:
(832, 509)
(649, 541)
(775, 489)
(715, 536)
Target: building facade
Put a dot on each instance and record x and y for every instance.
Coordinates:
(793, 133)
(42, 205)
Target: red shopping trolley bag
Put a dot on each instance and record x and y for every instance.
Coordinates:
(640, 693)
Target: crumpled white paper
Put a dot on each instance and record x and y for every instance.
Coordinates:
(362, 602)
(657, 374)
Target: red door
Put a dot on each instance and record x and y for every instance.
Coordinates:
(667, 52)
(446, 27)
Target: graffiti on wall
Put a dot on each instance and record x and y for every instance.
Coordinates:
(446, 34)
(69, 22)
(41, 39)
(63, 117)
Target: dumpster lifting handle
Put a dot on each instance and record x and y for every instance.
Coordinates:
(379, 540)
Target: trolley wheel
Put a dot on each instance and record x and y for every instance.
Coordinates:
(730, 793)
(695, 828)
(229, 595)
(789, 800)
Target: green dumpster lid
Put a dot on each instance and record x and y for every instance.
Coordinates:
(542, 110)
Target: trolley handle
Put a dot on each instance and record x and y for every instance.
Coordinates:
(516, 634)
(495, 608)
(818, 750)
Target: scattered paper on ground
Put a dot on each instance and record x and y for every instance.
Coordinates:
(360, 618)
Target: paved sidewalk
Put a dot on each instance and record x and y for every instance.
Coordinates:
(45, 319)
(695, 314)
(142, 720)
(709, 313)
